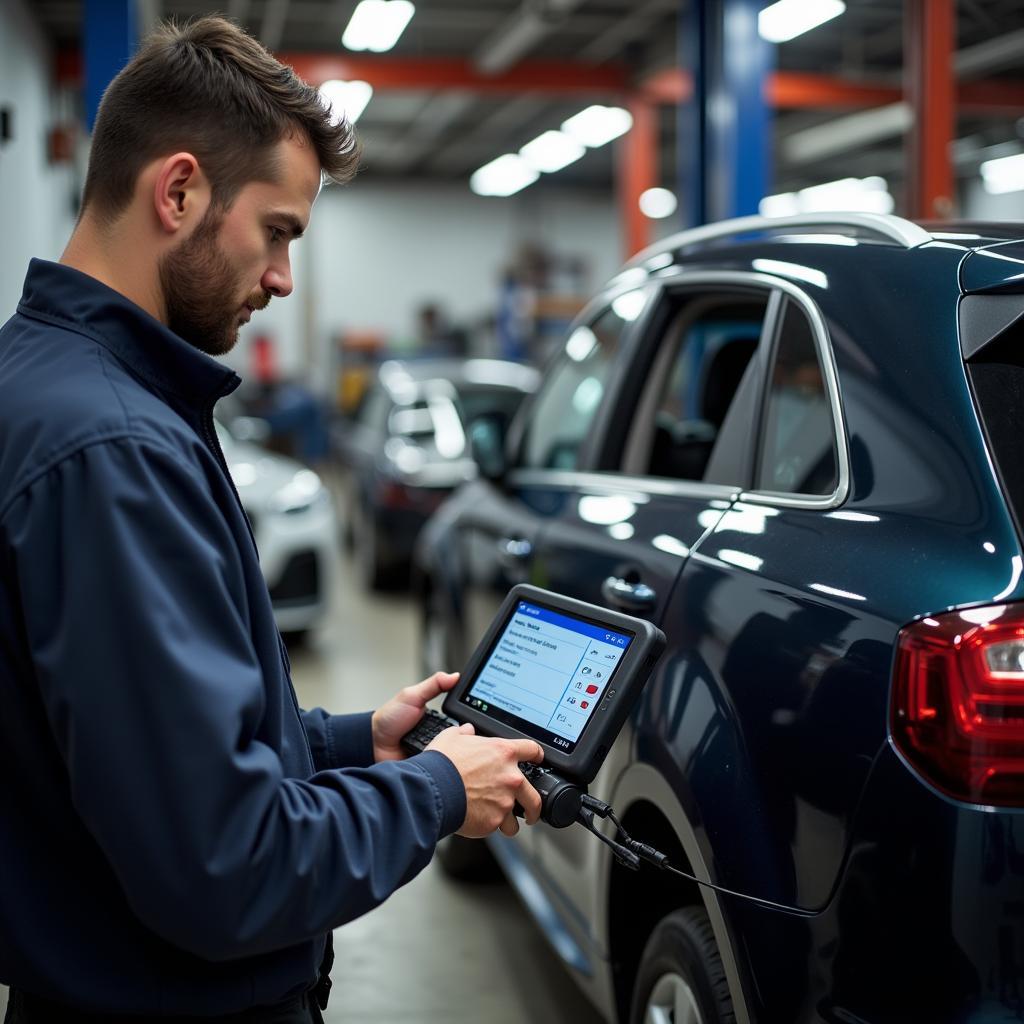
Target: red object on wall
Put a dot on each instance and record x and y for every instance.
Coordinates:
(264, 360)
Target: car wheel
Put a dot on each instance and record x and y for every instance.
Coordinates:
(681, 979)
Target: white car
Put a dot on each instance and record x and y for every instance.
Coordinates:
(296, 528)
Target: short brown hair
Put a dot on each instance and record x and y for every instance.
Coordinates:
(207, 88)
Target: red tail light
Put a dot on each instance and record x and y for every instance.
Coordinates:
(958, 702)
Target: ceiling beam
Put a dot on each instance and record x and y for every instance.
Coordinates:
(551, 77)
(519, 34)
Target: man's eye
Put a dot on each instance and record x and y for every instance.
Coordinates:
(276, 234)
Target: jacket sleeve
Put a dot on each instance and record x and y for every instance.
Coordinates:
(339, 741)
(143, 660)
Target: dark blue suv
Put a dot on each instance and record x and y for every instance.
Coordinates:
(798, 447)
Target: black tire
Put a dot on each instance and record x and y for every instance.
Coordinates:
(467, 860)
(681, 967)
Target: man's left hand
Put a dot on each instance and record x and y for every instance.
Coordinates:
(393, 720)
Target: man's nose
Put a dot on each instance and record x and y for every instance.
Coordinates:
(277, 279)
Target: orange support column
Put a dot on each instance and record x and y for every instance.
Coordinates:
(638, 171)
(930, 88)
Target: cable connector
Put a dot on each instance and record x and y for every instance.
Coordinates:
(599, 807)
(623, 854)
(648, 853)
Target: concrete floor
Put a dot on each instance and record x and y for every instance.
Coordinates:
(437, 951)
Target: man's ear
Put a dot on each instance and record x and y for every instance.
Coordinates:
(181, 193)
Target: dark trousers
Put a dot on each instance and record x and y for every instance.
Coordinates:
(23, 1008)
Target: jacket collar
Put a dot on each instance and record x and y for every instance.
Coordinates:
(66, 297)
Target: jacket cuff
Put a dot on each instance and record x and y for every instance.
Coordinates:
(450, 789)
(350, 740)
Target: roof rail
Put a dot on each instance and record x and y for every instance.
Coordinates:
(895, 229)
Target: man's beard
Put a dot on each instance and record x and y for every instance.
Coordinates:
(199, 286)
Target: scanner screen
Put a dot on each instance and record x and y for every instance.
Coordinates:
(548, 673)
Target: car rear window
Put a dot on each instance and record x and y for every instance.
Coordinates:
(996, 374)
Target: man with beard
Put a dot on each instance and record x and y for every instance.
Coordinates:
(177, 837)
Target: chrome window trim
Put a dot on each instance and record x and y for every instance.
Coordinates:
(677, 277)
(823, 347)
(828, 369)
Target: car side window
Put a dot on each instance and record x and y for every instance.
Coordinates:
(798, 449)
(703, 355)
(564, 409)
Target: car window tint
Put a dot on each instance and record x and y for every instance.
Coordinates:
(564, 411)
(798, 453)
(693, 380)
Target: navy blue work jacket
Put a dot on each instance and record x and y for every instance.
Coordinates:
(176, 836)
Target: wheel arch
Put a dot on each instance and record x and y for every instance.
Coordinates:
(636, 901)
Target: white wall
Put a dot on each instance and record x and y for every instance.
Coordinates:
(981, 205)
(36, 198)
(374, 253)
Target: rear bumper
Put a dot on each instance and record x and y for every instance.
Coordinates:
(926, 923)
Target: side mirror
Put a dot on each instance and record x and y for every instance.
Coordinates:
(487, 446)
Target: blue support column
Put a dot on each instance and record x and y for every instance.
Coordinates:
(109, 38)
(692, 127)
(724, 155)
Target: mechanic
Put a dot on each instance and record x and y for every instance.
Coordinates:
(177, 838)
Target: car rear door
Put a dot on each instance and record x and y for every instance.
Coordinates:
(627, 524)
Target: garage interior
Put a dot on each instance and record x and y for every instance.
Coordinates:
(891, 106)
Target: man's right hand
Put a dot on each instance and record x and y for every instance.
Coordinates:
(490, 772)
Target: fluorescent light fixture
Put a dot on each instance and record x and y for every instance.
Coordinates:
(788, 19)
(376, 24)
(551, 151)
(657, 203)
(598, 125)
(346, 99)
(503, 177)
(861, 195)
(1006, 174)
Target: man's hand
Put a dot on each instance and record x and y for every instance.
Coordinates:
(393, 720)
(490, 772)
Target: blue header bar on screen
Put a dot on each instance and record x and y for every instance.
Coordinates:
(576, 625)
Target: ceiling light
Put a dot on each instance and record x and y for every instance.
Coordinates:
(1005, 174)
(376, 24)
(861, 195)
(657, 203)
(788, 19)
(551, 151)
(503, 177)
(346, 99)
(597, 125)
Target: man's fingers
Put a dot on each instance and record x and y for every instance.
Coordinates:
(529, 799)
(527, 750)
(467, 727)
(510, 826)
(438, 683)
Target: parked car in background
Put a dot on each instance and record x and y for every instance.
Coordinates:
(406, 449)
(796, 446)
(295, 526)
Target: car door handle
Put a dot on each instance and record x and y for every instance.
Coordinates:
(513, 552)
(629, 597)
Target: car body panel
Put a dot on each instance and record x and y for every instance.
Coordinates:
(762, 738)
